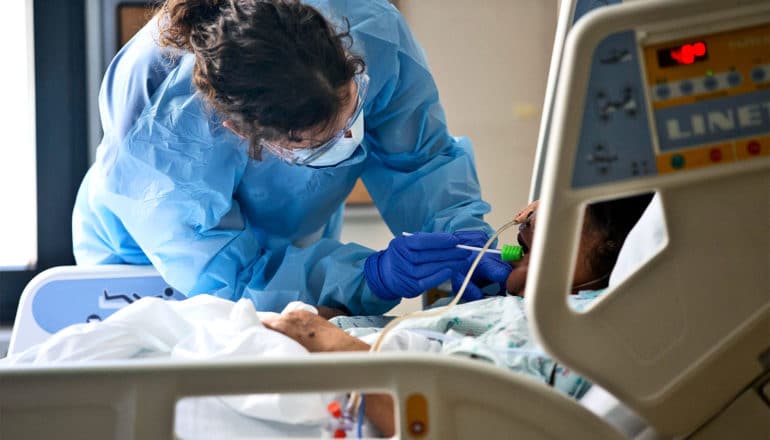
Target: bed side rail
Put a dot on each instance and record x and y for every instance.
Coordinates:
(437, 397)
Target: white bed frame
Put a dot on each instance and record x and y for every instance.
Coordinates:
(688, 334)
(697, 377)
(136, 400)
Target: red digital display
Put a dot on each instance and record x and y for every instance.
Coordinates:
(684, 54)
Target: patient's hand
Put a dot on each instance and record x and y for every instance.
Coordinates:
(522, 216)
(314, 332)
(517, 279)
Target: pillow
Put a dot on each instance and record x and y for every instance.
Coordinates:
(646, 239)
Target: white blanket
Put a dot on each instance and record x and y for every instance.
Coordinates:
(202, 327)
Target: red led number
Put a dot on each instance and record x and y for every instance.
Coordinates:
(687, 53)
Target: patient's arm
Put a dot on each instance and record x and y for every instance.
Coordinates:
(314, 332)
(317, 334)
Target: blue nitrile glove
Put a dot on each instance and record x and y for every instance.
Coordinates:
(491, 268)
(413, 264)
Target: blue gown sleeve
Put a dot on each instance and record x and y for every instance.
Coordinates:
(131, 78)
(419, 176)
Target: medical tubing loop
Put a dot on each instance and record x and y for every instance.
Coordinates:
(355, 396)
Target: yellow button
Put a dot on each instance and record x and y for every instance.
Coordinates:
(417, 415)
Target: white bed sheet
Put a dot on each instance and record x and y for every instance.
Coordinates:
(202, 327)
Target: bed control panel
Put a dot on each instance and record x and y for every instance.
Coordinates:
(702, 100)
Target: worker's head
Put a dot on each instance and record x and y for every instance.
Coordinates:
(605, 227)
(276, 71)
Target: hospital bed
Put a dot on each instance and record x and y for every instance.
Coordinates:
(664, 96)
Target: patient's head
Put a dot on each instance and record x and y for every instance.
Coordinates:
(605, 227)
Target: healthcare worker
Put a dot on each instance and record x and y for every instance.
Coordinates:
(235, 129)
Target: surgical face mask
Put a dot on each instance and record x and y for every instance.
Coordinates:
(336, 153)
(338, 148)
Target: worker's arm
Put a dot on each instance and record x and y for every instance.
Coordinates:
(420, 177)
(131, 79)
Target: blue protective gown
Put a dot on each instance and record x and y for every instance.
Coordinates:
(174, 188)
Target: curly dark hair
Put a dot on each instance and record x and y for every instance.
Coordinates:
(613, 220)
(268, 67)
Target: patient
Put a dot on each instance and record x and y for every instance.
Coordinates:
(605, 227)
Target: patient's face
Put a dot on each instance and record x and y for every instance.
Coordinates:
(589, 240)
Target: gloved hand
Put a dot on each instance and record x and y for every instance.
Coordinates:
(491, 268)
(413, 264)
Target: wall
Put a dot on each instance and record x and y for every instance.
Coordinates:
(490, 60)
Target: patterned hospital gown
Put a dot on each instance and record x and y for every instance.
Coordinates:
(493, 329)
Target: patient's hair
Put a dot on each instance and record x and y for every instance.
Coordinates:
(612, 220)
(268, 67)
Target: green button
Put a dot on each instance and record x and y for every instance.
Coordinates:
(677, 161)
